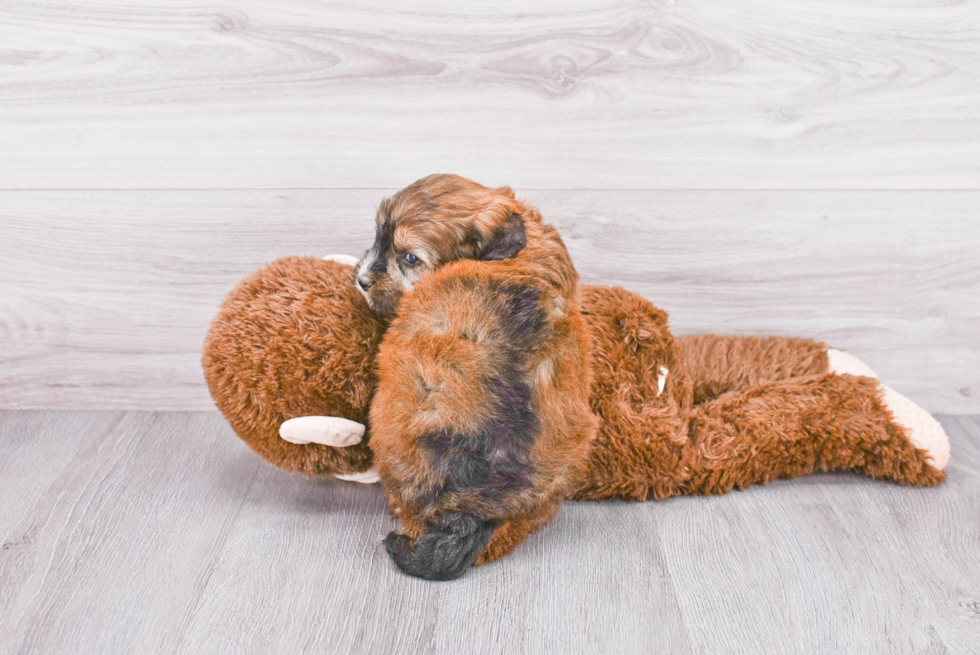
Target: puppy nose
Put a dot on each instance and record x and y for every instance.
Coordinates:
(363, 282)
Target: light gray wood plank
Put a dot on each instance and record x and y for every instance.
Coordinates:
(113, 293)
(833, 563)
(573, 587)
(105, 297)
(944, 564)
(305, 571)
(162, 533)
(113, 553)
(693, 94)
(37, 452)
(891, 277)
(142, 559)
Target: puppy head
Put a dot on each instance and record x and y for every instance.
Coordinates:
(437, 220)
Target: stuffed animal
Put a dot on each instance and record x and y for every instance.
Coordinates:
(290, 362)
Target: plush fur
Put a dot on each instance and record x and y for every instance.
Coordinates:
(296, 339)
(735, 411)
(505, 386)
(481, 416)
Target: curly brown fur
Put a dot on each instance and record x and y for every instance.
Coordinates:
(735, 411)
(294, 339)
(718, 364)
(791, 427)
(481, 418)
(639, 446)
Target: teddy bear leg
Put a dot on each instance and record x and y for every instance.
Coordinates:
(719, 364)
(923, 430)
(793, 427)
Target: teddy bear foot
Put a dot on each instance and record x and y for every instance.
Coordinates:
(924, 431)
(326, 430)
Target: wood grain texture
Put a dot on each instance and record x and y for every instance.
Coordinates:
(119, 539)
(105, 297)
(585, 94)
(161, 532)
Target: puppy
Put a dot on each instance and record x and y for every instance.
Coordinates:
(480, 424)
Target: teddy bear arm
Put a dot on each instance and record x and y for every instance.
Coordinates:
(326, 430)
(332, 431)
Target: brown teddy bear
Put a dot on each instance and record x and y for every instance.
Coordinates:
(290, 362)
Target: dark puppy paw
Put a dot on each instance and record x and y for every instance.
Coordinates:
(444, 552)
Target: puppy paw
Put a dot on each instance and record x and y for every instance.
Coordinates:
(924, 431)
(841, 362)
(326, 430)
(347, 260)
(369, 476)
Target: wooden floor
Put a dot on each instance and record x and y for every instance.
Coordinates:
(161, 532)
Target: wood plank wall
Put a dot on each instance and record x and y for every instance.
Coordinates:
(806, 168)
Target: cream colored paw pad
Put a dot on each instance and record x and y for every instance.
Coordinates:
(326, 430)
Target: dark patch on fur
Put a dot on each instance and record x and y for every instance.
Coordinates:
(495, 459)
(450, 546)
(492, 461)
(383, 239)
(524, 318)
(507, 239)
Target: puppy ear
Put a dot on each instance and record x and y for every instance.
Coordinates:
(507, 239)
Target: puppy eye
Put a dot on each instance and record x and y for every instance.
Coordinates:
(410, 259)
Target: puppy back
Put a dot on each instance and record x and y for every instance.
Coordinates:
(483, 403)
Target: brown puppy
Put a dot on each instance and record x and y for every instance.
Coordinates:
(481, 421)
